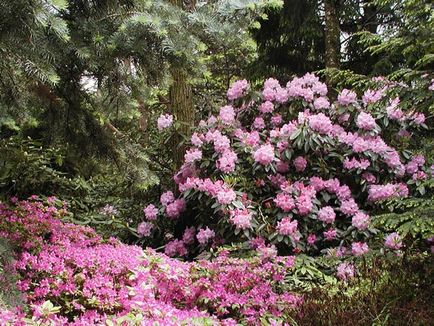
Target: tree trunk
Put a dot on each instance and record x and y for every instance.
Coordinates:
(332, 35)
(181, 105)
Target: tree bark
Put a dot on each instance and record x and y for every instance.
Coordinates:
(332, 35)
(181, 105)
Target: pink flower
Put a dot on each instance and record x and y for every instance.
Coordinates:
(286, 226)
(387, 191)
(151, 212)
(164, 121)
(266, 107)
(282, 167)
(144, 229)
(271, 83)
(365, 121)
(320, 123)
(369, 177)
(174, 248)
(320, 88)
(226, 162)
(349, 207)
(193, 155)
(359, 248)
(226, 196)
(317, 183)
(393, 241)
(418, 118)
(276, 120)
(347, 97)
(300, 164)
(281, 95)
(311, 239)
(363, 164)
(227, 114)
(221, 143)
(238, 89)
(259, 123)
(321, 103)
(304, 204)
(345, 271)
(327, 214)
(371, 96)
(284, 202)
(188, 236)
(360, 221)
(419, 175)
(343, 193)
(167, 198)
(330, 234)
(204, 235)
(264, 154)
(174, 209)
(196, 140)
(241, 218)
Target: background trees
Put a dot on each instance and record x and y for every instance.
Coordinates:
(85, 80)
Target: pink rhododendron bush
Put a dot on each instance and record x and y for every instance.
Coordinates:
(287, 166)
(68, 275)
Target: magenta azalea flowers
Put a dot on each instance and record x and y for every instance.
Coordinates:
(71, 276)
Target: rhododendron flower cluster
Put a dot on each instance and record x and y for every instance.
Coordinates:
(241, 218)
(164, 121)
(365, 121)
(238, 89)
(359, 248)
(205, 235)
(144, 229)
(295, 168)
(393, 241)
(151, 212)
(345, 271)
(264, 154)
(71, 276)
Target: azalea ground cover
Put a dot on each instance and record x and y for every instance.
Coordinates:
(68, 275)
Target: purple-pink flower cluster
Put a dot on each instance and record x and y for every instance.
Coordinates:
(292, 154)
(71, 276)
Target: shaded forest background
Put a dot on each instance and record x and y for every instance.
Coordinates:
(82, 82)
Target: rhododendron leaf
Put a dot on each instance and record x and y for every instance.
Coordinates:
(295, 134)
(326, 196)
(421, 190)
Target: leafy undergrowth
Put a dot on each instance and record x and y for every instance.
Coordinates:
(70, 275)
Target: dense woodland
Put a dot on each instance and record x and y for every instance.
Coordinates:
(274, 158)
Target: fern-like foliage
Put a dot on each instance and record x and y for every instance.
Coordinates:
(416, 220)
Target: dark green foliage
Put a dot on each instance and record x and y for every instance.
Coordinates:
(406, 38)
(290, 40)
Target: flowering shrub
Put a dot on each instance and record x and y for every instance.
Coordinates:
(291, 166)
(71, 276)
